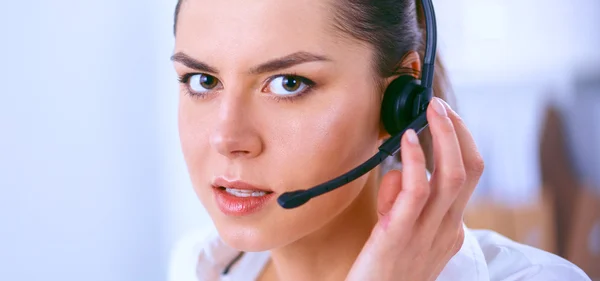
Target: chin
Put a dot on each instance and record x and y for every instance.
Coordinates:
(251, 239)
(255, 233)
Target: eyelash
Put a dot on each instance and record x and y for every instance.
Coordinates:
(184, 80)
(310, 85)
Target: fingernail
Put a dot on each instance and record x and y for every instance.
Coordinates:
(439, 108)
(412, 137)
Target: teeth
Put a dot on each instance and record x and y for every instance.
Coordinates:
(245, 193)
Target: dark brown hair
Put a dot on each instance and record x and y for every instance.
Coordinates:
(393, 28)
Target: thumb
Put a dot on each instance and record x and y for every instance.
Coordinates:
(390, 186)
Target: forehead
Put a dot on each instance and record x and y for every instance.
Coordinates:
(250, 31)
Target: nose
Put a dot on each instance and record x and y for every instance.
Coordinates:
(234, 134)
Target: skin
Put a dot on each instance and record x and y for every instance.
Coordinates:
(240, 131)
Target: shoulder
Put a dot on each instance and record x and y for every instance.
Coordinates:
(199, 255)
(509, 260)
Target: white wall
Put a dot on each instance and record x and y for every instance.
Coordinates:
(81, 198)
(507, 59)
(516, 40)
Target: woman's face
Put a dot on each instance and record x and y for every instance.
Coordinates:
(275, 98)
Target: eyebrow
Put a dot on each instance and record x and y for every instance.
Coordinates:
(193, 63)
(269, 66)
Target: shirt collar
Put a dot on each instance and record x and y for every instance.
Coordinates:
(469, 264)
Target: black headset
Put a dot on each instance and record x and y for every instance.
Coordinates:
(404, 107)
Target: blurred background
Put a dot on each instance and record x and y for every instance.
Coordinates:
(93, 182)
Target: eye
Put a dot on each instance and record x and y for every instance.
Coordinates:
(287, 85)
(201, 83)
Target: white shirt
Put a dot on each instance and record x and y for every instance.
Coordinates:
(484, 256)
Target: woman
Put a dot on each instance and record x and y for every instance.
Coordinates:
(278, 96)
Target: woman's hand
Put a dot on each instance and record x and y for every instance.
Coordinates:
(420, 224)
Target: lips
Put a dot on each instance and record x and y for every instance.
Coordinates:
(239, 185)
(237, 198)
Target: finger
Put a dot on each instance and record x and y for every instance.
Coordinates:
(391, 184)
(473, 162)
(415, 187)
(449, 173)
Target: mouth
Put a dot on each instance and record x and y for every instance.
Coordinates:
(239, 188)
(243, 192)
(237, 198)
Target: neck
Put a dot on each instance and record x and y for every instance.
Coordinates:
(338, 243)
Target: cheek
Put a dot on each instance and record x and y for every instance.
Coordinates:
(194, 138)
(328, 139)
(315, 148)
(331, 137)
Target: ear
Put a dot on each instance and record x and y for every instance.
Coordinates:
(410, 64)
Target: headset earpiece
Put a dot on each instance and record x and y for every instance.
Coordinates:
(402, 103)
